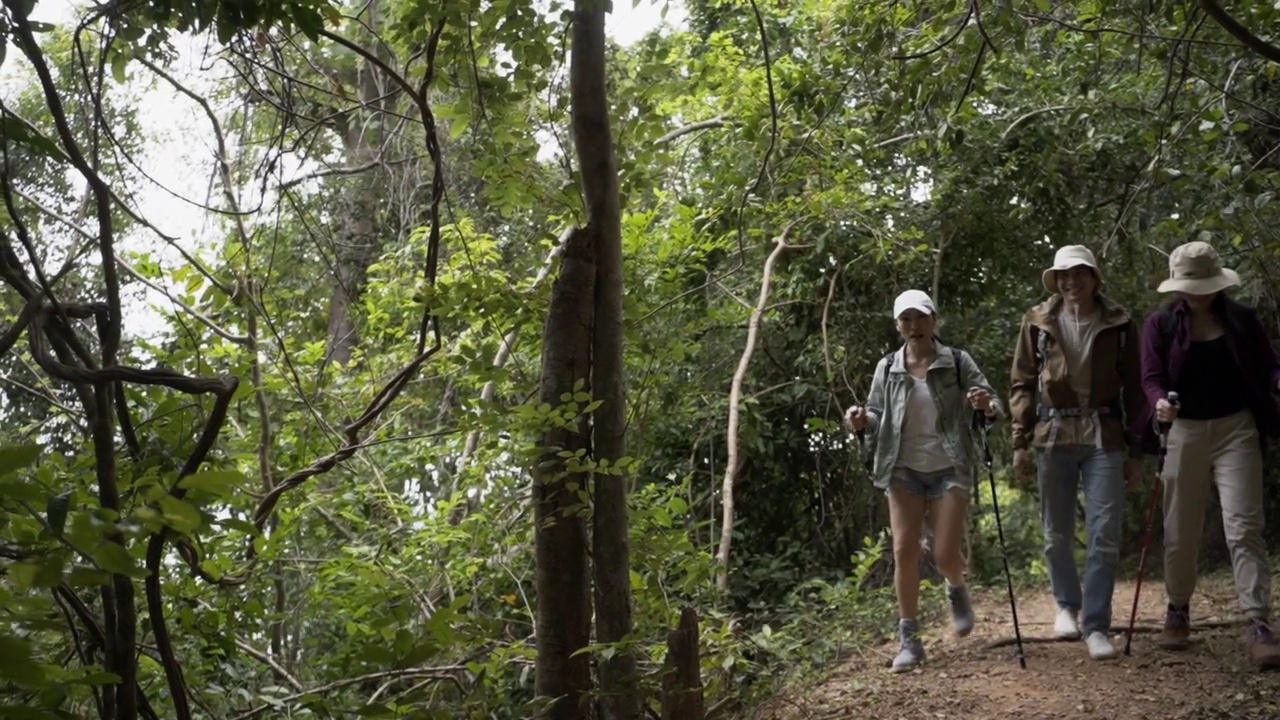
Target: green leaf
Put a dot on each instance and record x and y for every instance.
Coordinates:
(56, 512)
(119, 67)
(87, 577)
(22, 491)
(113, 558)
(18, 132)
(98, 678)
(16, 662)
(220, 483)
(181, 516)
(16, 457)
(23, 574)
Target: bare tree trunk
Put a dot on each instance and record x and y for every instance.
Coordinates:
(563, 623)
(682, 697)
(735, 397)
(593, 141)
(359, 237)
(356, 247)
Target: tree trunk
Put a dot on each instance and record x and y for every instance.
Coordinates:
(359, 238)
(593, 142)
(682, 697)
(355, 249)
(563, 624)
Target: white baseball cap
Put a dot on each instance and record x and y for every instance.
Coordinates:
(910, 299)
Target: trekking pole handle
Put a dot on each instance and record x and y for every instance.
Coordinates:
(1173, 400)
(983, 423)
(1165, 426)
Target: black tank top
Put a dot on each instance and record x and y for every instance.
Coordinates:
(1210, 385)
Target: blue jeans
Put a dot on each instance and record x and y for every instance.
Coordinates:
(1061, 470)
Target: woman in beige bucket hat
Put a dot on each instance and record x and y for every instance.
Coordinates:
(1214, 352)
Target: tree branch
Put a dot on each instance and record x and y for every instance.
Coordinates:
(679, 132)
(270, 662)
(939, 47)
(734, 462)
(1241, 33)
(447, 672)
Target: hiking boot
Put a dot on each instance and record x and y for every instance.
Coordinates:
(1264, 649)
(1065, 627)
(961, 609)
(1100, 647)
(1176, 634)
(911, 652)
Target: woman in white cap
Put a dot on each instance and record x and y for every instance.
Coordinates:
(1076, 386)
(1214, 352)
(919, 412)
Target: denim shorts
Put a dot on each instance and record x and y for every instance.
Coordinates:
(930, 485)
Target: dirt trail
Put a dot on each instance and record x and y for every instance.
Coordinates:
(964, 678)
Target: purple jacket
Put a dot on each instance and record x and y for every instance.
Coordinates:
(1247, 338)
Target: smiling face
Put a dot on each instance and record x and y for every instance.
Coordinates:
(915, 325)
(1077, 283)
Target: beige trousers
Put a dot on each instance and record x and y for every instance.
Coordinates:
(1226, 452)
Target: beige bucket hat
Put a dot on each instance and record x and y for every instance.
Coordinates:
(1196, 268)
(1067, 257)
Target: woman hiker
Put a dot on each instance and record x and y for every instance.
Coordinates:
(1076, 378)
(1213, 351)
(919, 412)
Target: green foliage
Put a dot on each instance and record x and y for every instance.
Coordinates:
(399, 582)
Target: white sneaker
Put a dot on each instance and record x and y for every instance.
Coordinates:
(1066, 627)
(1100, 647)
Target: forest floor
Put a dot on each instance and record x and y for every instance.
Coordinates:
(969, 678)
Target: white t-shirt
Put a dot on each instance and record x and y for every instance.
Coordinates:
(1077, 333)
(921, 449)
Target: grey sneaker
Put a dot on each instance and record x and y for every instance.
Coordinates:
(911, 652)
(961, 609)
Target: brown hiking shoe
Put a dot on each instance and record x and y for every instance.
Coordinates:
(1264, 649)
(1177, 629)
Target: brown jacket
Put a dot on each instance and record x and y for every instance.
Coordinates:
(1116, 382)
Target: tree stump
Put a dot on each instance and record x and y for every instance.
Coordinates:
(682, 674)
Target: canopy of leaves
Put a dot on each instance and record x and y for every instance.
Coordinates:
(388, 570)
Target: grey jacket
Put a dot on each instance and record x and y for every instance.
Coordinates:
(886, 407)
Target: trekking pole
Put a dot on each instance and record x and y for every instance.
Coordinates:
(979, 420)
(1151, 519)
